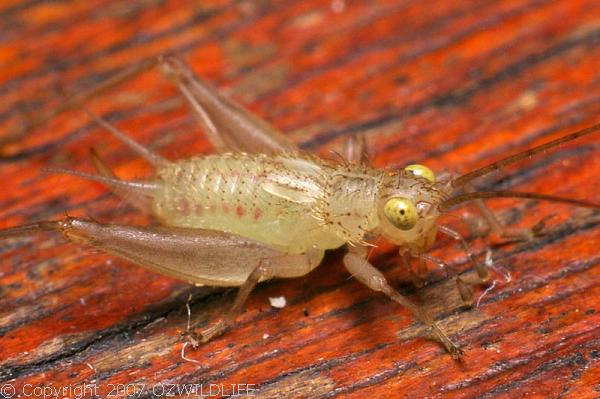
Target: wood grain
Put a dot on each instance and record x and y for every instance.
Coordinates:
(451, 84)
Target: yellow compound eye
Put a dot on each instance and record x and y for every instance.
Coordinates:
(401, 212)
(421, 170)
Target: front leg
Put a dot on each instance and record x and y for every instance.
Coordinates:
(482, 272)
(367, 274)
(464, 290)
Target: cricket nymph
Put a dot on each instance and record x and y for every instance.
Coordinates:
(260, 208)
(295, 202)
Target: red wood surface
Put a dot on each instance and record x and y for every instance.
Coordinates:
(452, 84)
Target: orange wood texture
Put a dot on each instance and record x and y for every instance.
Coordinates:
(451, 84)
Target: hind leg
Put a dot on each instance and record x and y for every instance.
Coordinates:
(138, 194)
(262, 272)
(228, 125)
(155, 159)
(74, 101)
(198, 256)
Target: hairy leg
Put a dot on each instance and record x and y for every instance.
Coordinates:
(367, 274)
(480, 268)
(465, 291)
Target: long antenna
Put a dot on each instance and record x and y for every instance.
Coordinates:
(462, 180)
(449, 203)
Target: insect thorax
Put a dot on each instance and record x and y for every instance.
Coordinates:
(349, 206)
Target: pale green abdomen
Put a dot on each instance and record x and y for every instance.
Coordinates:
(234, 194)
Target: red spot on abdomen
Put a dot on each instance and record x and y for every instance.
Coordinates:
(239, 211)
(257, 214)
(225, 209)
(183, 206)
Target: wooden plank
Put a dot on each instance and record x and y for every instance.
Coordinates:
(454, 85)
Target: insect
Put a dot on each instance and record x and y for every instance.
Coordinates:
(261, 209)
